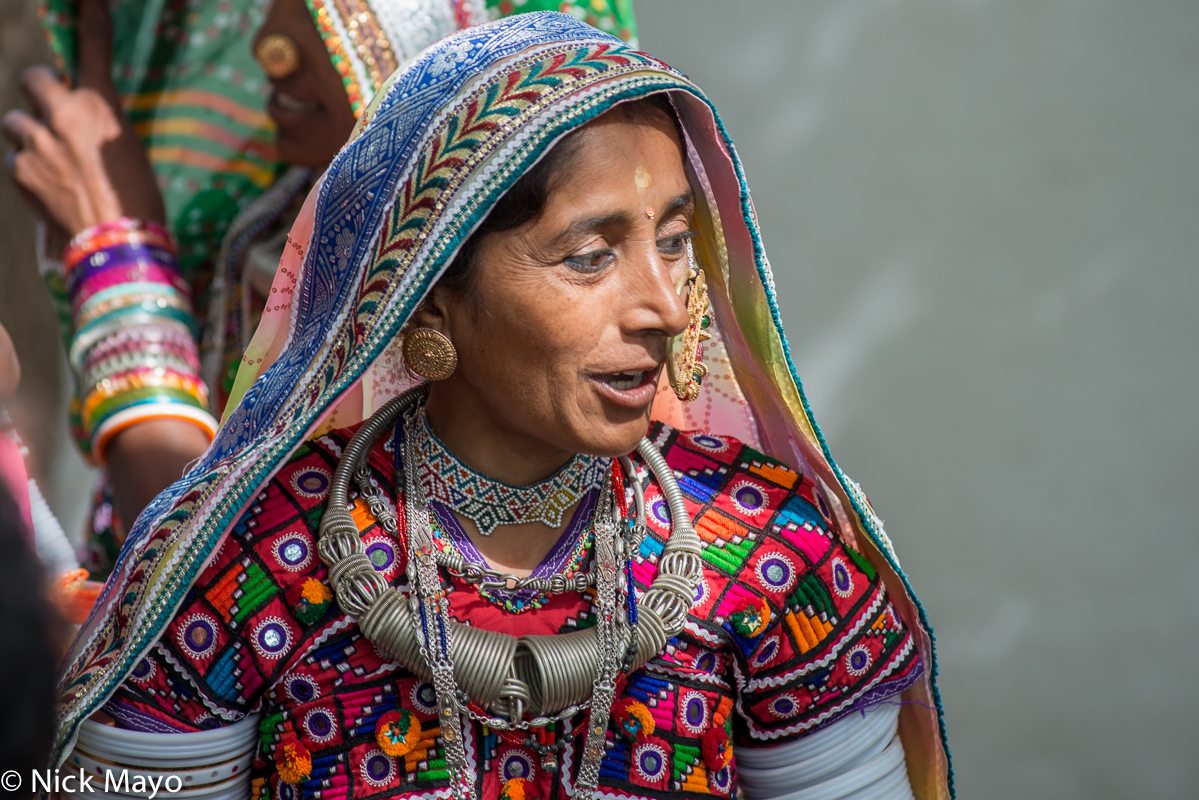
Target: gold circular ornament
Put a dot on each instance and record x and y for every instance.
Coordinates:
(430, 354)
(278, 55)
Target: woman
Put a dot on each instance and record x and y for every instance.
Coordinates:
(529, 218)
(155, 354)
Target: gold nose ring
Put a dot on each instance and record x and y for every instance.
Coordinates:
(278, 55)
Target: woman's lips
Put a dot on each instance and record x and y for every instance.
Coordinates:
(632, 389)
(284, 108)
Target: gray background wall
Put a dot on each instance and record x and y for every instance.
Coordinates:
(984, 220)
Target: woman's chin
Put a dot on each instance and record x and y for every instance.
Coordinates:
(617, 427)
(615, 439)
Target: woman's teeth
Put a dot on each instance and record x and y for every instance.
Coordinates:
(289, 103)
(623, 381)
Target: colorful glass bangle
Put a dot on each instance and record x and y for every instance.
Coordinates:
(82, 253)
(100, 405)
(131, 287)
(128, 343)
(129, 317)
(103, 353)
(136, 380)
(125, 229)
(81, 346)
(142, 413)
(141, 375)
(138, 383)
(121, 253)
(130, 339)
(153, 293)
(81, 278)
(112, 299)
(150, 395)
(118, 276)
(96, 369)
(119, 225)
(110, 368)
(169, 302)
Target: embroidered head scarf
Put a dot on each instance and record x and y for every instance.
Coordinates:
(438, 145)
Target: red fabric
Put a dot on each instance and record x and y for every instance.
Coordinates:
(247, 638)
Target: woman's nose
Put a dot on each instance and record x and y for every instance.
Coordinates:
(663, 308)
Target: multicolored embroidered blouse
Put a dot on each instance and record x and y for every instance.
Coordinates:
(790, 629)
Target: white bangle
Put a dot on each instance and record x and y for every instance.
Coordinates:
(212, 764)
(859, 756)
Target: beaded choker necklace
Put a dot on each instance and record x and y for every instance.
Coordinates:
(490, 503)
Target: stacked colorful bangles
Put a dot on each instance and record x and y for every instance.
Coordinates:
(133, 346)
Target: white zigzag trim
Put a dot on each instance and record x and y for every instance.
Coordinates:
(701, 677)
(619, 796)
(701, 632)
(849, 701)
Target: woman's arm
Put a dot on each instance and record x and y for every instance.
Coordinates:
(78, 164)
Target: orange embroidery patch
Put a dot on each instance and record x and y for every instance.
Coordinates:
(316, 592)
(397, 732)
(517, 789)
(293, 761)
(633, 719)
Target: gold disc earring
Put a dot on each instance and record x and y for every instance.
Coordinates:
(429, 354)
(278, 55)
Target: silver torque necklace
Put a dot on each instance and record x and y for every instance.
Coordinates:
(550, 677)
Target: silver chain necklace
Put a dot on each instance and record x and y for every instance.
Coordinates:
(550, 676)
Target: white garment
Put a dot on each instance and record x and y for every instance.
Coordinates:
(858, 757)
(54, 550)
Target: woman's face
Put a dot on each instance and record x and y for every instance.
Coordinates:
(310, 108)
(563, 334)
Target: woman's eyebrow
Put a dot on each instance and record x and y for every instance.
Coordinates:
(587, 225)
(684, 200)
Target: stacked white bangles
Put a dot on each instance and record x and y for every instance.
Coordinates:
(858, 757)
(209, 765)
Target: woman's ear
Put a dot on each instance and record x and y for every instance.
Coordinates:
(436, 311)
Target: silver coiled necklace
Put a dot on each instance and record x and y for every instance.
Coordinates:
(553, 676)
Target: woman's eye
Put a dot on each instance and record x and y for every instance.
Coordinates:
(590, 262)
(673, 245)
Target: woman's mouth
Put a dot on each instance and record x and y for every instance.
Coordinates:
(285, 107)
(633, 388)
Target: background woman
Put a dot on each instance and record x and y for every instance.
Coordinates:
(545, 250)
(162, 157)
